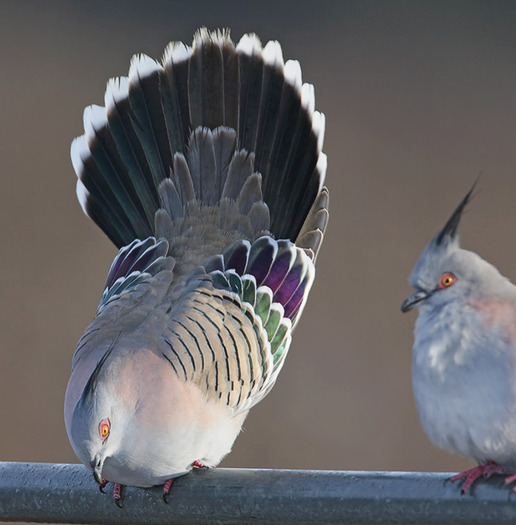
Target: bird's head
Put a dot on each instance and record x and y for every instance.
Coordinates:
(446, 273)
(94, 436)
(95, 417)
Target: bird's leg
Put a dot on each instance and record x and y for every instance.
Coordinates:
(166, 489)
(168, 484)
(471, 475)
(117, 495)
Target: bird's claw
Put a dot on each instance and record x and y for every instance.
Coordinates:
(472, 475)
(117, 491)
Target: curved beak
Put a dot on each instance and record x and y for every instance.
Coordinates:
(412, 300)
(96, 465)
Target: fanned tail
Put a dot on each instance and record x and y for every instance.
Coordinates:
(219, 141)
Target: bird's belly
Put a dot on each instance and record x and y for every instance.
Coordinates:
(171, 455)
(467, 411)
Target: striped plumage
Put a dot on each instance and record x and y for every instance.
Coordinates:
(207, 172)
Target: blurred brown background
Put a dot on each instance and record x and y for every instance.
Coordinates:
(419, 98)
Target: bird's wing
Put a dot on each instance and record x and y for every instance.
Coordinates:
(229, 329)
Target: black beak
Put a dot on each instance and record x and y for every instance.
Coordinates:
(412, 300)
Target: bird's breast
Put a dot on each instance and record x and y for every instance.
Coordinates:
(170, 424)
(463, 382)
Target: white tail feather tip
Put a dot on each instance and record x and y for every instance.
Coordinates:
(94, 118)
(117, 89)
(204, 35)
(293, 73)
(79, 151)
(176, 52)
(321, 166)
(142, 66)
(272, 54)
(249, 44)
(318, 127)
(308, 97)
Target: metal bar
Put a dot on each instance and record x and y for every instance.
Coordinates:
(47, 493)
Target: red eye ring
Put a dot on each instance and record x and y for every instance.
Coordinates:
(446, 280)
(104, 429)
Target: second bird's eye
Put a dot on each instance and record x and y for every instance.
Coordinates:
(447, 279)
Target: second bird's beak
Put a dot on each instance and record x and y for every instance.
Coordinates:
(412, 300)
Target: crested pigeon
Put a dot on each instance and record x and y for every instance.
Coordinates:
(206, 170)
(464, 354)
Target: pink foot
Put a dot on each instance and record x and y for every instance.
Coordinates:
(511, 479)
(117, 491)
(102, 485)
(198, 464)
(166, 489)
(117, 495)
(471, 475)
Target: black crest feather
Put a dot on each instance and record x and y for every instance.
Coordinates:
(449, 232)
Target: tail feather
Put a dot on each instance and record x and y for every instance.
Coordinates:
(206, 81)
(224, 146)
(250, 194)
(129, 148)
(181, 174)
(231, 83)
(218, 136)
(250, 79)
(174, 94)
(272, 87)
(293, 157)
(107, 161)
(171, 202)
(201, 161)
(240, 167)
(259, 218)
(98, 198)
(148, 119)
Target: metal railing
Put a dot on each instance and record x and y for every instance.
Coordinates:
(39, 492)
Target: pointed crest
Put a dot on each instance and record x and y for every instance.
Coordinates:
(449, 232)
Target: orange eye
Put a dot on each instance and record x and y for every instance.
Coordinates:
(104, 429)
(447, 279)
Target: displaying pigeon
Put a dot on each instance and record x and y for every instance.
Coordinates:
(464, 355)
(206, 171)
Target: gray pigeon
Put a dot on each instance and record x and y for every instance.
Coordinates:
(464, 355)
(206, 171)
